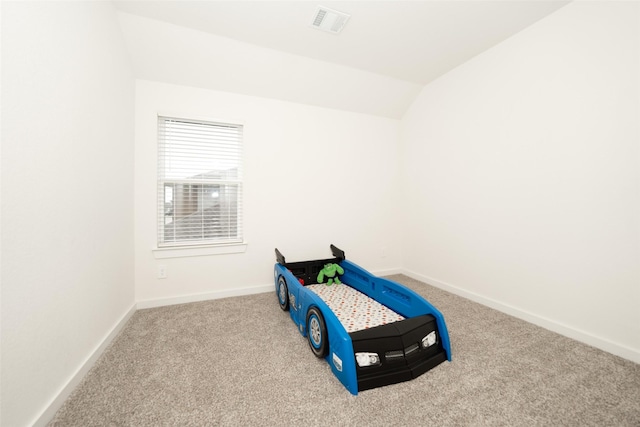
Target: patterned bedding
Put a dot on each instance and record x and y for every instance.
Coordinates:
(355, 310)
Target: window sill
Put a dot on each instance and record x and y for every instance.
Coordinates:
(191, 251)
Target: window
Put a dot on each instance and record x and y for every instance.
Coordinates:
(199, 182)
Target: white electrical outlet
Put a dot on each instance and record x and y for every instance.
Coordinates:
(383, 252)
(162, 272)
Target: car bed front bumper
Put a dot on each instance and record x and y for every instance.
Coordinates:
(403, 351)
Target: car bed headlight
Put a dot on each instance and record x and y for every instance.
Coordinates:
(367, 359)
(429, 340)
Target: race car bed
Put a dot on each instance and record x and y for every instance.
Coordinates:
(372, 331)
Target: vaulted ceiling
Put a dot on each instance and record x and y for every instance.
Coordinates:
(386, 53)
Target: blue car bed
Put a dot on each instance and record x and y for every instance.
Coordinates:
(372, 331)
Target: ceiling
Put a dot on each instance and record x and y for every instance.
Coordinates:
(386, 53)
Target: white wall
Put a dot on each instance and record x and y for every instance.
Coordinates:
(521, 176)
(67, 197)
(313, 177)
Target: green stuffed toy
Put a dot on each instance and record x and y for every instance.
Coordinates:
(331, 272)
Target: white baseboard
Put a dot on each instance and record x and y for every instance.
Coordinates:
(183, 299)
(387, 272)
(550, 324)
(55, 404)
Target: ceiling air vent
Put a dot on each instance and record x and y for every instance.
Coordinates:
(329, 20)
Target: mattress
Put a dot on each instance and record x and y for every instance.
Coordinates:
(355, 310)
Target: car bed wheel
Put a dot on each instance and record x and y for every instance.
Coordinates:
(283, 293)
(317, 333)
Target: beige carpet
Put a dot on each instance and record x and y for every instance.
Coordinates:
(241, 362)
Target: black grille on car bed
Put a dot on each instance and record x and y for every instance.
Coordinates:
(402, 348)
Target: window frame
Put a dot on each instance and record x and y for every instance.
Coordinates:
(198, 246)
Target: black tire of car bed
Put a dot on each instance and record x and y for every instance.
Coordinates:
(282, 284)
(323, 349)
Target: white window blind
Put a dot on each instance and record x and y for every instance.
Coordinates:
(199, 182)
